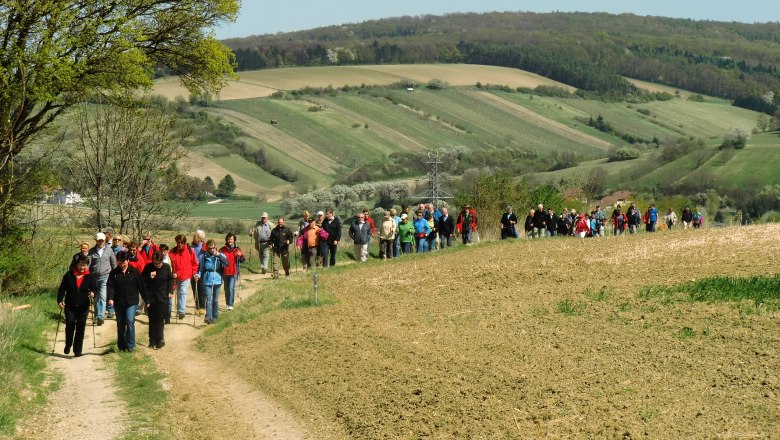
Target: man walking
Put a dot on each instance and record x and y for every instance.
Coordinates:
(508, 222)
(446, 228)
(261, 233)
(360, 233)
(101, 262)
(184, 263)
(125, 286)
(281, 238)
(467, 224)
(328, 247)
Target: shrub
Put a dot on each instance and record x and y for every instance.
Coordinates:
(621, 154)
(735, 138)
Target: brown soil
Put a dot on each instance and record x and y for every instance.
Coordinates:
(514, 340)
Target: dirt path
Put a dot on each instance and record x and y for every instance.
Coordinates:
(211, 401)
(87, 405)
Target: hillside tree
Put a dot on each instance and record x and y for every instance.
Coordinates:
(226, 186)
(57, 53)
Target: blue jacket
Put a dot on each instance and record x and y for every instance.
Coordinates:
(209, 268)
(653, 214)
(421, 226)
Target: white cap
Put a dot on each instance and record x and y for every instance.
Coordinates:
(403, 216)
(100, 236)
(264, 215)
(320, 213)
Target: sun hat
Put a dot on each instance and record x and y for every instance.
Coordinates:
(264, 215)
(100, 236)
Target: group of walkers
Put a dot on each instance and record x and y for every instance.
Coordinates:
(121, 280)
(317, 237)
(546, 223)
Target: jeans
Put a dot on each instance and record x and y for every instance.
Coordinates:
(183, 288)
(212, 302)
(397, 246)
(551, 233)
(264, 249)
(422, 244)
(445, 240)
(328, 253)
(230, 288)
(632, 229)
(100, 298)
(406, 247)
(125, 326)
(431, 243)
(466, 236)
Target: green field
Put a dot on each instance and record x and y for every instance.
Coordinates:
(237, 209)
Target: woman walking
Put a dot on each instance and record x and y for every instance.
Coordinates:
(233, 270)
(125, 289)
(209, 264)
(76, 290)
(158, 280)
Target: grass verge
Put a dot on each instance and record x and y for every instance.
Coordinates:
(140, 385)
(24, 381)
(764, 291)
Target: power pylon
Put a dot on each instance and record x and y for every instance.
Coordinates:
(435, 194)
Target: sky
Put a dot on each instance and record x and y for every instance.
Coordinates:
(269, 17)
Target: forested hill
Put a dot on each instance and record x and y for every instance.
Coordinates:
(736, 61)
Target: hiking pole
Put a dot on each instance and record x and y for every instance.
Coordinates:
(94, 343)
(59, 320)
(176, 303)
(238, 273)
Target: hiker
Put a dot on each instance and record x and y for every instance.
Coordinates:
(652, 218)
(600, 220)
(540, 227)
(323, 235)
(83, 251)
(328, 247)
(117, 245)
(232, 271)
(508, 222)
(308, 241)
(101, 261)
(446, 229)
(210, 264)
(670, 218)
(687, 217)
(528, 226)
(564, 223)
(78, 286)
(619, 222)
(360, 233)
(184, 264)
(582, 226)
(261, 234)
(467, 224)
(198, 245)
(431, 239)
(370, 221)
(551, 222)
(303, 223)
(281, 238)
(397, 240)
(387, 236)
(421, 231)
(159, 281)
(698, 219)
(406, 232)
(148, 247)
(125, 287)
(634, 219)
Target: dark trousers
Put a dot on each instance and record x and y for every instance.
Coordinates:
(311, 257)
(386, 248)
(328, 253)
(198, 293)
(285, 257)
(75, 323)
(157, 314)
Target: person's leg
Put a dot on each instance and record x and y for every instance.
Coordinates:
(285, 256)
(81, 325)
(130, 327)
(70, 328)
(100, 300)
(215, 304)
(121, 324)
(325, 253)
(183, 289)
(209, 293)
(332, 251)
(229, 282)
(202, 290)
(266, 254)
(396, 246)
(154, 324)
(364, 252)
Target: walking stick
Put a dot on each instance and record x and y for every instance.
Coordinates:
(94, 343)
(238, 273)
(176, 303)
(59, 320)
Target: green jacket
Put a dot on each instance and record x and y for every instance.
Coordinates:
(406, 231)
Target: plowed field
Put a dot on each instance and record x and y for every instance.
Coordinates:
(528, 339)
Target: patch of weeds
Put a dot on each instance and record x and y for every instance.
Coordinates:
(646, 415)
(140, 385)
(763, 292)
(570, 308)
(602, 295)
(24, 345)
(686, 333)
(624, 307)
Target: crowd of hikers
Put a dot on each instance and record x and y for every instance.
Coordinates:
(119, 279)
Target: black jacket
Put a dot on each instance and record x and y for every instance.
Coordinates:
(507, 219)
(125, 287)
(76, 297)
(539, 219)
(280, 238)
(552, 222)
(446, 226)
(157, 289)
(333, 228)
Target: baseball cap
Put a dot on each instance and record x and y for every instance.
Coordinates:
(100, 236)
(264, 215)
(403, 216)
(320, 213)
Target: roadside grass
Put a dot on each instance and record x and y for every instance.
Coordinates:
(140, 385)
(763, 291)
(24, 381)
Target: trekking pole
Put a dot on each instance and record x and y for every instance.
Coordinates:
(176, 304)
(94, 343)
(238, 274)
(59, 320)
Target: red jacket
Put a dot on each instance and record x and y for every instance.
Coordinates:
(184, 263)
(139, 262)
(370, 222)
(583, 225)
(149, 253)
(232, 258)
(473, 225)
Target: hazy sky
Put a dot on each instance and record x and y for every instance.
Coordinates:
(267, 17)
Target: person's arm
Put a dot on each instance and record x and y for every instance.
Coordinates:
(170, 283)
(110, 289)
(111, 257)
(61, 292)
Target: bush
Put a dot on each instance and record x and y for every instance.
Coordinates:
(621, 154)
(226, 225)
(735, 138)
(436, 84)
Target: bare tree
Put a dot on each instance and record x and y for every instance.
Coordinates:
(124, 163)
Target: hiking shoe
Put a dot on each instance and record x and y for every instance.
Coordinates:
(167, 320)
(67, 349)
(181, 315)
(110, 315)
(263, 271)
(160, 344)
(207, 321)
(230, 308)
(100, 321)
